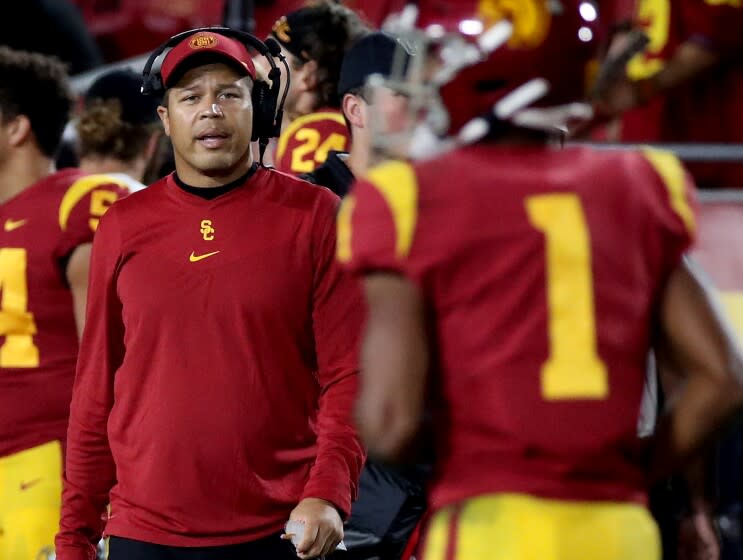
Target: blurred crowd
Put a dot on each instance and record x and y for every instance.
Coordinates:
(681, 87)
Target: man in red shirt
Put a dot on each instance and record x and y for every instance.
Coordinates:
(314, 40)
(218, 366)
(48, 222)
(524, 286)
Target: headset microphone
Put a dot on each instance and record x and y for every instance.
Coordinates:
(275, 49)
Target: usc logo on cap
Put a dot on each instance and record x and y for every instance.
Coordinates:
(282, 30)
(203, 41)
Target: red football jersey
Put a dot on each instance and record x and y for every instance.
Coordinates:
(541, 269)
(305, 143)
(708, 109)
(42, 226)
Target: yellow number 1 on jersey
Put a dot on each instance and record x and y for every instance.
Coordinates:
(573, 369)
(16, 323)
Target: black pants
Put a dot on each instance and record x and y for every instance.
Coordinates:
(269, 548)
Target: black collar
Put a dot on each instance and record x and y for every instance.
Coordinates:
(213, 192)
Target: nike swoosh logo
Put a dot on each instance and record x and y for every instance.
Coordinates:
(26, 485)
(196, 258)
(10, 225)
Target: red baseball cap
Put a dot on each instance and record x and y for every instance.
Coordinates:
(205, 42)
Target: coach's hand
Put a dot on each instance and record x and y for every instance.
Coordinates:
(323, 528)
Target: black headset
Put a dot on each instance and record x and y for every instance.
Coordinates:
(268, 112)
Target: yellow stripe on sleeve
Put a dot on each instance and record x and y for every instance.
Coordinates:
(397, 183)
(667, 165)
(343, 240)
(77, 191)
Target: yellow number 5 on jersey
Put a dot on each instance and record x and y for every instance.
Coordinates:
(100, 199)
(16, 323)
(573, 369)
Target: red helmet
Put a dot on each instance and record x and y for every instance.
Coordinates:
(542, 59)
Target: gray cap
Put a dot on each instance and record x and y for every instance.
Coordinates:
(372, 54)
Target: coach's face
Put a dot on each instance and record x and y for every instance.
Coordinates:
(208, 116)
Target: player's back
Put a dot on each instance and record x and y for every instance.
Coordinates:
(306, 142)
(41, 228)
(542, 268)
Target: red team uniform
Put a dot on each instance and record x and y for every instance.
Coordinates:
(706, 110)
(41, 227)
(541, 269)
(250, 306)
(305, 143)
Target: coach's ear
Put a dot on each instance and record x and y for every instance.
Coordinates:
(18, 130)
(162, 112)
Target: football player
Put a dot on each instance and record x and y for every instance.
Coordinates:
(314, 39)
(48, 220)
(687, 84)
(118, 131)
(521, 287)
(391, 501)
(376, 53)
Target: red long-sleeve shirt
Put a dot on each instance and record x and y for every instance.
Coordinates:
(217, 370)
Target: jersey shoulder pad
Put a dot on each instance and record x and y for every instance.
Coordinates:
(86, 199)
(377, 222)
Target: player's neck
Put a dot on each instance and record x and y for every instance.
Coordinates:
(21, 170)
(101, 165)
(358, 157)
(201, 179)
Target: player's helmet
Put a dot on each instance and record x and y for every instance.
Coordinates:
(508, 59)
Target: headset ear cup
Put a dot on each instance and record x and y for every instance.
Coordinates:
(269, 110)
(264, 110)
(259, 118)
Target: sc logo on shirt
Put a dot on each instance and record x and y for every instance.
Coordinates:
(207, 231)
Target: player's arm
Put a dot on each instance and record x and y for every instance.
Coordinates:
(697, 535)
(336, 320)
(690, 60)
(89, 468)
(394, 362)
(695, 335)
(77, 277)
(713, 36)
(377, 227)
(80, 210)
